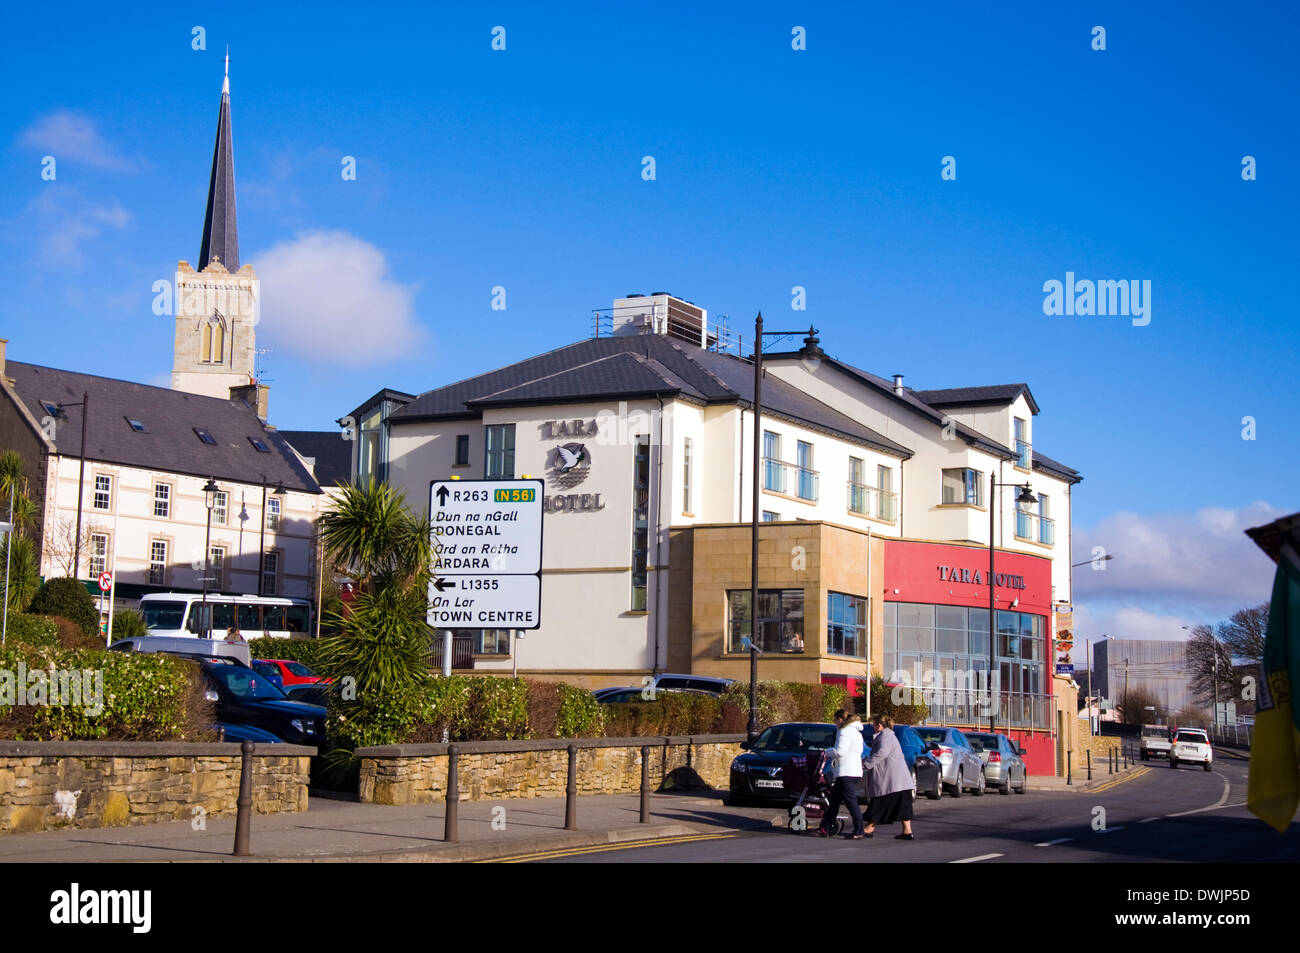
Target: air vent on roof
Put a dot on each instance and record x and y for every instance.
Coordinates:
(259, 445)
(636, 296)
(136, 425)
(206, 437)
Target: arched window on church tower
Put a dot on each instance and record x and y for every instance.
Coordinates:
(212, 347)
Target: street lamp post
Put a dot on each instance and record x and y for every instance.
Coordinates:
(84, 404)
(1024, 496)
(210, 490)
(261, 545)
(811, 355)
(9, 546)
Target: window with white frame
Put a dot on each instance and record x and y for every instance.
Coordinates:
(162, 500)
(270, 572)
(98, 554)
(157, 562)
(272, 514)
(220, 507)
(963, 486)
(216, 566)
(686, 476)
(103, 492)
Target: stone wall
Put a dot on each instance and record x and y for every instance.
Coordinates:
(417, 774)
(46, 785)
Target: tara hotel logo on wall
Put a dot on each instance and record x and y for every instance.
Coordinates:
(569, 463)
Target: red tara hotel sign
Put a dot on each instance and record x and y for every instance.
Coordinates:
(943, 574)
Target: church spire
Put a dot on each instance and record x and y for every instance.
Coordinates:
(220, 234)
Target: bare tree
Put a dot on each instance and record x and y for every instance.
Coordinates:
(1210, 661)
(1133, 708)
(61, 543)
(1243, 633)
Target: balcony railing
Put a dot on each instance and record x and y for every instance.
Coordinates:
(872, 501)
(1024, 454)
(781, 477)
(1037, 528)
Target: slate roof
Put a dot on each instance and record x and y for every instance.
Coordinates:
(631, 366)
(220, 232)
(170, 417)
(1045, 463)
(974, 396)
(333, 454)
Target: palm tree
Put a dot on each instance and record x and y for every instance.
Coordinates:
(371, 535)
(24, 573)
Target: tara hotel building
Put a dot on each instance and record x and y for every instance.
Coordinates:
(874, 499)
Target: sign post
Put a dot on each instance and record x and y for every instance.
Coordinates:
(487, 556)
(105, 583)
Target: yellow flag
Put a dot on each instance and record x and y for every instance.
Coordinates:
(1273, 792)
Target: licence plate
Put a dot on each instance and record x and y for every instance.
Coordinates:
(767, 783)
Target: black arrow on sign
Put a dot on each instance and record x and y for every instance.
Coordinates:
(442, 584)
(441, 493)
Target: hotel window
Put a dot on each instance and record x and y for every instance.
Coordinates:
(272, 514)
(1046, 526)
(773, 471)
(270, 570)
(771, 517)
(162, 500)
(368, 448)
(157, 562)
(98, 554)
(885, 508)
(216, 566)
(500, 452)
(807, 475)
(103, 492)
(686, 476)
(640, 521)
(963, 486)
(1023, 457)
(846, 626)
(780, 620)
(859, 499)
(462, 450)
(220, 504)
(491, 641)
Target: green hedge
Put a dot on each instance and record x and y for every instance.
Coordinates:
(70, 599)
(139, 698)
(32, 630)
(306, 651)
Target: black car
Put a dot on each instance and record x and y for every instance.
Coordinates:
(756, 774)
(245, 698)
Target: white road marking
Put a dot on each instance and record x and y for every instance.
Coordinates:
(974, 860)
(1053, 843)
(1110, 830)
(1148, 820)
(1213, 807)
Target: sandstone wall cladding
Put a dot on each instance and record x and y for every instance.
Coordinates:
(417, 774)
(51, 785)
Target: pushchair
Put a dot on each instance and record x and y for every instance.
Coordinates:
(805, 780)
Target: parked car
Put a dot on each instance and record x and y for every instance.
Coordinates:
(1004, 766)
(1154, 742)
(314, 693)
(926, 771)
(290, 672)
(184, 647)
(268, 672)
(629, 694)
(245, 698)
(1191, 745)
(756, 773)
(701, 683)
(245, 733)
(962, 767)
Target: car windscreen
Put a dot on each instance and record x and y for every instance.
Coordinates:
(787, 739)
(1192, 737)
(1155, 732)
(932, 734)
(297, 668)
(163, 615)
(245, 683)
(983, 742)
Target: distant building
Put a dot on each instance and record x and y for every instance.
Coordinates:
(1156, 666)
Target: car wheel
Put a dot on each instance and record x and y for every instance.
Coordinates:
(1006, 784)
(938, 788)
(1207, 766)
(956, 788)
(978, 790)
(1144, 756)
(1024, 782)
(1173, 762)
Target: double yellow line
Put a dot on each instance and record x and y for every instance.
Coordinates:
(600, 848)
(1120, 780)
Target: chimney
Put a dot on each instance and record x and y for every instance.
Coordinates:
(256, 396)
(898, 385)
(3, 345)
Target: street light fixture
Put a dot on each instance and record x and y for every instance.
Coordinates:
(261, 555)
(210, 491)
(1025, 495)
(1089, 562)
(811, 356)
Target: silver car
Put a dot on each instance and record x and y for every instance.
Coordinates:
(1004, 768)
(962, 767)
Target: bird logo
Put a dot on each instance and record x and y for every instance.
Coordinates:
(570, 463)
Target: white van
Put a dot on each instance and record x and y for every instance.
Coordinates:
(177, 615)
(186, 647)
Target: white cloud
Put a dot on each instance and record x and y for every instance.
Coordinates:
(69, 135)
(327, 295)
(1186, 563)
(60, 221)
(1129, 622)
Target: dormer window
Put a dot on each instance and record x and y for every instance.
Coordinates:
(1022, 446)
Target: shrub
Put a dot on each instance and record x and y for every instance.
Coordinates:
(33, 630)
(787, 701)
(307, 651)
(24, 572)
(579, 714)
(144, 697)
(128, 624)
(70, 599)
(671, 713)
(906, 706)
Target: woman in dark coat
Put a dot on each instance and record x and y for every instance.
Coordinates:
(889, 784)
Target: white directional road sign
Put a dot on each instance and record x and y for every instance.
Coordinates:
(487, 554)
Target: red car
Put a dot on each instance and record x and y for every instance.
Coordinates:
(289, 671)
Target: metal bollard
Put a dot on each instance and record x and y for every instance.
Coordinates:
(451, 827)
(244, 804)
(645, 784)
(1069, 767)
(1089, 764)
(571, 792)
(1110, 761)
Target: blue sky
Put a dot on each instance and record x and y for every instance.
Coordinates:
(774, 168)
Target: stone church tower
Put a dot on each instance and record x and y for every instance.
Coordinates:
(218, 306)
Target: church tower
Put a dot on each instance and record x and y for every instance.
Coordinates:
(218, 306)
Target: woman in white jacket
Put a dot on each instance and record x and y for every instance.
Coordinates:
(846, 757)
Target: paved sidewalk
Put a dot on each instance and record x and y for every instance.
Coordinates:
(333, 830)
